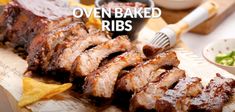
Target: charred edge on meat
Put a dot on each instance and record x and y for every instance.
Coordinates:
(143, 73)
(97, 84)
(145, 99)
(91, 59)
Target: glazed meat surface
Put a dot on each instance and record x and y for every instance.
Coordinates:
(72, 50)
(42, 47)
(91, 59)
(214, 96)
(142, 74)
(178, 99)
(76, 34)
(39, 27)
(101, 82)
(21, 22)
(146, 98)
(55, 41)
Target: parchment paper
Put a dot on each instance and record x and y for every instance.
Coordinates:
(12, 68)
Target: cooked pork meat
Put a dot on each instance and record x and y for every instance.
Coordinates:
(214, 96)
(7, 19)
(55, 40)
(146, 98)
(91, 59)
(143, 73)
(70, 52)
(21, 22)
(178, 99)
(42, 46)
(101, 82)
(76, 35)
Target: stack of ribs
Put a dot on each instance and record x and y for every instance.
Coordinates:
(144, 73)
(56, 41)
(146, 98)
(214, 96)
(187, 95)
(178, 99)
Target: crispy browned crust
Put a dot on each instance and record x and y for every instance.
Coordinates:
(91, 59)
(141, 74)
(68, 51)
(76, 33)
(101, 82)
(178, 99)
(214, 96)
(145, 99)
(20, 23)
(42, 47)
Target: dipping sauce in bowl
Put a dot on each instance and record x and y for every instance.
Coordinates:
(124, 5)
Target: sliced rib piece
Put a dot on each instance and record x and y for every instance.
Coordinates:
(142, 74)
(42, 46)
(70, 51)
(146, 98)
(178, 99)
(90, 60)
(101, 82)
(214, 96)
(76, 35)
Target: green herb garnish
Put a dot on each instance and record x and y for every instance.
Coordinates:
(226, 59)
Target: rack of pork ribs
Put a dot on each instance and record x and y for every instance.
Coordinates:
(109, 67)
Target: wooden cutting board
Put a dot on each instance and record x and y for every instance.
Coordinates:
(226, 7)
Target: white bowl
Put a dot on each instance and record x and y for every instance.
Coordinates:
(178, 4)
(219, 46)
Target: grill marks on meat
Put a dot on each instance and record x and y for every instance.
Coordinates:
(42, 46)
(70, 52)
(146, 98)
(214, 96)
(90, 60)
(178, 99)
(142, 74)
(101, 82)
